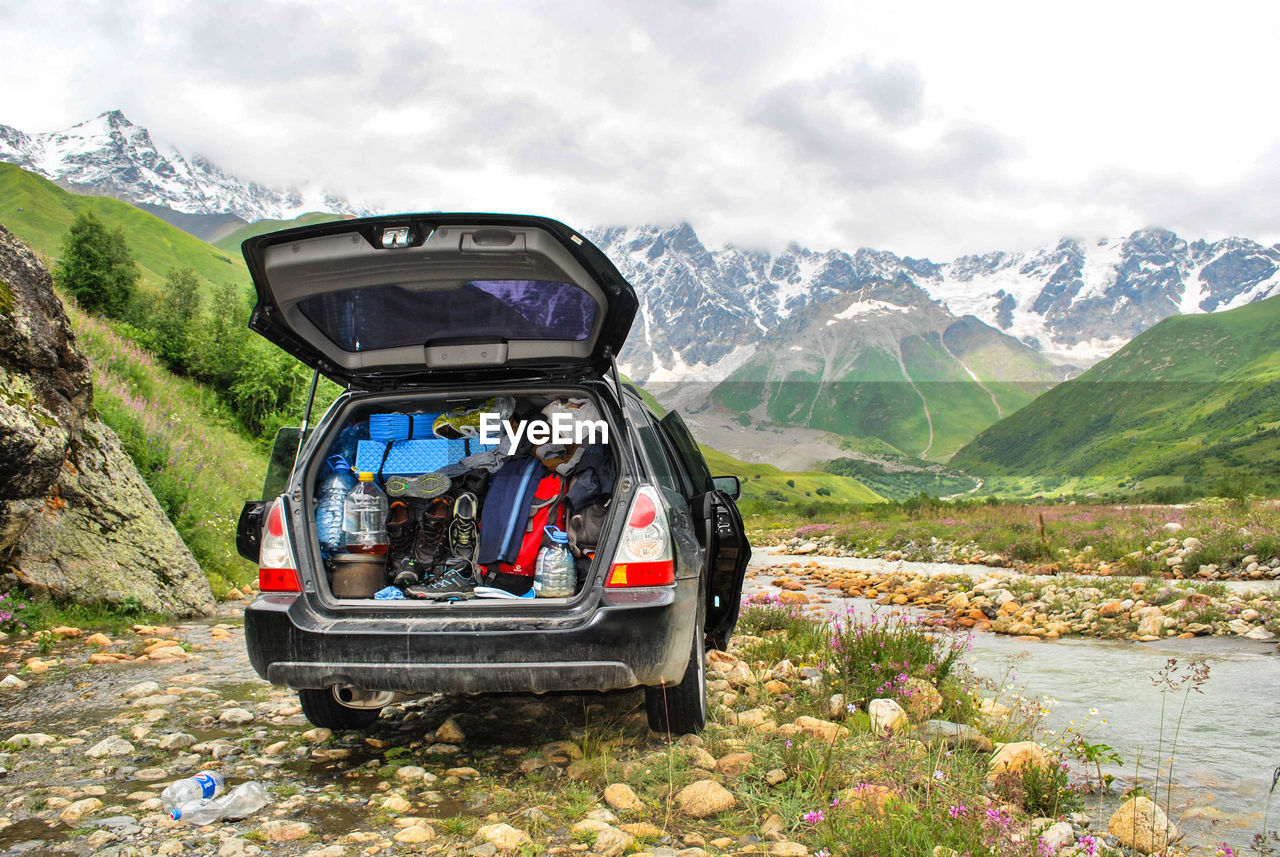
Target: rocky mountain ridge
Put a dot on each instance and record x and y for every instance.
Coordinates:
(111, 156)
(1075, 302)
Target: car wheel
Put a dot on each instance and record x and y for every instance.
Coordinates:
(321, 709)
(682, 708)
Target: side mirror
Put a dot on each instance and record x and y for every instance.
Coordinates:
(730, 486)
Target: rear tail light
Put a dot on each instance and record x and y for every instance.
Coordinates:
(277, 571)
(644, 556)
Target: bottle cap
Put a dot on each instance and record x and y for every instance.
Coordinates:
(558, 535)
(366, 477)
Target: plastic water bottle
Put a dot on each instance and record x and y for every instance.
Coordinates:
(244, 800)
(555, 575)
(364, 518)
(202, 786)
(333, 494)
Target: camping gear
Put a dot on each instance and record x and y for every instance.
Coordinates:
(357, 575)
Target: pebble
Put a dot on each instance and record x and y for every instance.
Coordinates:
(235, 717)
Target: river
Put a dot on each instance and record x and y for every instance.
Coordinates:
(1227, 748)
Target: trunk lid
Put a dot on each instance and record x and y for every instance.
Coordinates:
(383, 302)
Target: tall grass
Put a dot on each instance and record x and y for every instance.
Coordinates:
(183, 441)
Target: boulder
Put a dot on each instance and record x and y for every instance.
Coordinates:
(1141, 825)
(45, 388)
(1016, 757)
(76, 519)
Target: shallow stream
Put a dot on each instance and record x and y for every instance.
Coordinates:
(1227, 748)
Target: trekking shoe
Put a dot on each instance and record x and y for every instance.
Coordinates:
(429, 543)
(400, 530)
(475, 481)
(404, 572)
(424, 487)
(462, 529)
(455, 582)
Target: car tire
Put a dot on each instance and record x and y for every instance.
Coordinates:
(321, 709)
(681, 709)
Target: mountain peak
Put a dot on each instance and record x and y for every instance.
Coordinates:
(110, 155)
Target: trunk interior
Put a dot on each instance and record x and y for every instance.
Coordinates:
(467, 517)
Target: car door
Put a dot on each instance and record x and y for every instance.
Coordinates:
(723, 536)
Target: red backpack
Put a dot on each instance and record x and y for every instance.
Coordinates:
(546, 509)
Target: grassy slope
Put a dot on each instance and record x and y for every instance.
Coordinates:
(1189, 402)
(230, 244)
(184, 442)
(764, 482)
(39, 212)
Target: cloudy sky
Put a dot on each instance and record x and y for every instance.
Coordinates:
(925, 128)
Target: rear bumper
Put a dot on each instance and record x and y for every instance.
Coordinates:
(618, 645)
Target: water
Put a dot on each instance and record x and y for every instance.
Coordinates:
(364, 518)
(555, 574)
(1226, 749)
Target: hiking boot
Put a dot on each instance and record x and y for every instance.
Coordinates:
(423, 487)
(430, 542)
(455, 583)
(473, 482)
(405, 572)
(462, 529)
(400, 530)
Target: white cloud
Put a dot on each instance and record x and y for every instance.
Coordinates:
(929, 129)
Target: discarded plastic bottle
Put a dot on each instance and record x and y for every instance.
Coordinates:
(364, 518)
(242, 801)
(203, 786)
(329, 504)
(555, 575)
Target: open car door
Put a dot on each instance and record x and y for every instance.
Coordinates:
(723, 537)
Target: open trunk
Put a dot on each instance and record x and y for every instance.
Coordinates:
(400, 436)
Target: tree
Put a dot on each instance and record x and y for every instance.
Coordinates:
(96, 266)
(223, 336)
(176, 314)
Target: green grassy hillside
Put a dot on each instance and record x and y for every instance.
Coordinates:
(888, 472)
(764, 483)
(926, 393)
(39, 212)
(1191, 405)
(230, 244)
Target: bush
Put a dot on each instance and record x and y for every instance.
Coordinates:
(875, 656)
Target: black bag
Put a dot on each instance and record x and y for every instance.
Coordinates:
(584, 528)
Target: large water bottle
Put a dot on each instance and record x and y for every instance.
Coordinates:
(203, 785)
(555, 575)
(244, 800)
(364, 518)
(333, 495)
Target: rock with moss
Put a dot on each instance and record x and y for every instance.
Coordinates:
(76, 519)
(109, 540)
(45, 388)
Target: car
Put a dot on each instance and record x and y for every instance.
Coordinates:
(417, 313)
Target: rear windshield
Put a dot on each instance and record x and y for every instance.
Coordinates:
(366, 319)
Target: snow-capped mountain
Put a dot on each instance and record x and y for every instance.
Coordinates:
(1074, 302)
(111, 156)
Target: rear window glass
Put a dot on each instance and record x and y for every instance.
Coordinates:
(367, 319)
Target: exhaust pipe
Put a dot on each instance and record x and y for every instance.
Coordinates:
(357, 697)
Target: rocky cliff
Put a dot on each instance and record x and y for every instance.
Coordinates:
(76, 519)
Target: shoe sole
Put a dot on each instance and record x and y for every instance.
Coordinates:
(424, 487)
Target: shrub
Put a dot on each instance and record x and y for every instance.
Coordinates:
(96, 266)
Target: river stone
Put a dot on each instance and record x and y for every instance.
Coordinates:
(504, 837)
(705, 798)
(886, 716)
(622, 798)
(110, 747)
(450, 732)
(1141, 824)
(74, 812)
(141, 689)
(1016, 757)
(955, 735)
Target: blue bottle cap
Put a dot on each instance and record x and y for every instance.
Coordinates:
(557, 535)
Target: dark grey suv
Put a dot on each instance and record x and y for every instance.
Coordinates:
(416, 313)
